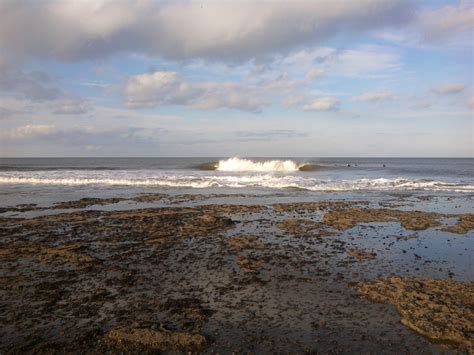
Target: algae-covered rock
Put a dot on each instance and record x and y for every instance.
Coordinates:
(160, 340)
(441, 310)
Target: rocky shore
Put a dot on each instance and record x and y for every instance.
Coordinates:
(191, 275)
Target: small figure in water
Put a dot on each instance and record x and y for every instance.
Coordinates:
(383, 165)
(348, 165)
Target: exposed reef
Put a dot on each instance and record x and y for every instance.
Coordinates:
(208, 277)
(442, 310)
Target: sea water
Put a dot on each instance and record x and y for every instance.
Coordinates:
(23, 178)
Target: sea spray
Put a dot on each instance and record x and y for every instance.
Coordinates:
(238, 165)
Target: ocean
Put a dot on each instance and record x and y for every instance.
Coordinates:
(25, 180)
(312, 174)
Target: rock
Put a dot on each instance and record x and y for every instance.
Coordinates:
(442, 310)
(161, 340)
(241, 242)
(361, 255)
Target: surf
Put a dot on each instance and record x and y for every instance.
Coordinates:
(246, 165)
(267, 180)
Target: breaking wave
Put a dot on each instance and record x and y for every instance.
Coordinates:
(241, 165)
(143, 178)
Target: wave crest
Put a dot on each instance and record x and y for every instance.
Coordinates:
(140, 178)
(238, 164)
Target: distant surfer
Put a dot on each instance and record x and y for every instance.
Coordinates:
(348, 165)
(383, 165)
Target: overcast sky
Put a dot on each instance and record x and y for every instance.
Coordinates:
(248, 78)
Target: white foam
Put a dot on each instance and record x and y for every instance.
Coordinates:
(216, 180)
(237, 164)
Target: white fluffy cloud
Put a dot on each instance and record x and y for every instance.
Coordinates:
(170, 88)
(78, 30)
(322, 104)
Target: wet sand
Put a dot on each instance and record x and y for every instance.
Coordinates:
(184, 273)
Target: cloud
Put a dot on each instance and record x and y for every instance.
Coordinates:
(359, 61)
(281, 83)
(72, 107)
(314, 73)
(11, 108)
(30, 89)
(374, 97)
(270, 134)
(366, 60)
(169, 88)
(28, 131)
(184, 30)
(92, 148)
(450, 88)
(435, 26)
(35, 85)
(322, 104)
(293, 100)
(446, 22)
(82, 136)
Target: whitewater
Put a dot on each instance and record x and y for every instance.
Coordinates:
(238, 165)
(241, 173)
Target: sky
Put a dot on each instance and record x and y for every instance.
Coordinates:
(126, 78)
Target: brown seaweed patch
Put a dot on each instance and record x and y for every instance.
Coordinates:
(188, 312)
(441, 310)
(162, 227)
(312, 206)
(158, 227)
(250, 265)
(242, 242)
(69, 253)
(361, 255)
(144, 198)
(413, 220)
(303, 227)
(232, 209)
(128, 339)
(24, 207)
(465, 224)
(205, 224)
(96, 201)
(52, 220)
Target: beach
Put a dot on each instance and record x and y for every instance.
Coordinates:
(236, 177)
(312, 256)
